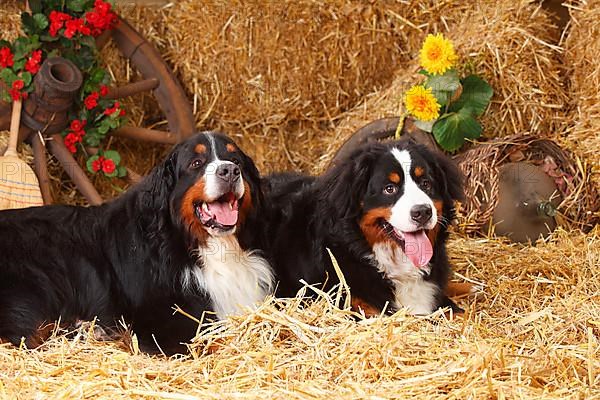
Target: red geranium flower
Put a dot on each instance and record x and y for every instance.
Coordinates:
(97, 164)
(77, 125)
(71, 140)
(32, 65)
(101, 18)
(76, 25)
(6, 58)
(122, 113)
(103, 90)
(57, 20)
(92, 100)
(15, 91)
(108, 166)
(113, 109)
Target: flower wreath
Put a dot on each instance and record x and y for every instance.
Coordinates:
(68, 28)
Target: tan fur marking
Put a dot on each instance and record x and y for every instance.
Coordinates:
(394, 177)
(231, 148)
(432, 233)
(246, 205)
(419, 171)
(200, 148)
(459, 289)
(370, 227)
(359, 304)
(188, 213)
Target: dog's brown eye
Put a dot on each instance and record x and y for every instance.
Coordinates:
(390, 189)
(196, 163)
(426, 184)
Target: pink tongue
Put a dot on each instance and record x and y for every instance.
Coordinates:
(417, 248)
(222, 213)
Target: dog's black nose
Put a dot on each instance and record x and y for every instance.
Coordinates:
(421, 213)
(229, 172)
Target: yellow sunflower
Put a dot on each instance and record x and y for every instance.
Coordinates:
(437, 54)
(421, 103)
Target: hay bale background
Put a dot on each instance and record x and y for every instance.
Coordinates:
(533, 334)
(278, 74)
(581, 60)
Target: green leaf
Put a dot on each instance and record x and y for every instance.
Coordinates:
(441, 97)
(475, 97)
(18, 65)
(48, 38)
(89, 162)
(451, 129)
(121, 171)
(29, 24)
(92, 139)
(447, 82)
(426, 126)
(76, 5)
(113, 155)
(97, 75)
(88, 41)
(41, 21)
(26, 76)
(8, 76)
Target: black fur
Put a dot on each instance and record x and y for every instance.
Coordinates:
(311, 214)
(121, 259)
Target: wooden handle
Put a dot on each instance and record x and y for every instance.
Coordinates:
(14, 129)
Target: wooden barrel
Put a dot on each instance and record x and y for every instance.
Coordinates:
(55, 87)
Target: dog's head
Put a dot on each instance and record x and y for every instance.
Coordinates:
(210, 184)
(399, 193)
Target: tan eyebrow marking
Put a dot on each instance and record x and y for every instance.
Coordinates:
(200, 148)
(231, 148)
(419, 171)
(394, 177)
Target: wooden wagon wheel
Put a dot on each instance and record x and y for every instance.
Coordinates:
(156, 77)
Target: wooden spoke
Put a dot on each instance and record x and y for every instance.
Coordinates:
(148, 61)
(103, 39)
(59, 150)
(133, 88)
(41, 168)
(148, 135)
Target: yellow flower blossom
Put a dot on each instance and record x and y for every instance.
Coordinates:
(437, 54)
(421, 103)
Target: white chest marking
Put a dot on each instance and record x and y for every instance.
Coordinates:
(411, 291)
(233, 278)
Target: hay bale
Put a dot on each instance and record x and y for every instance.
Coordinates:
(581, 60)
(507, 43)
(10, 19)
(279, 73)
(534, 333)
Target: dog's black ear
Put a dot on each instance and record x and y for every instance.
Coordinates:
(250, 172)
(449, 175)
(160, 182)
(342, 187)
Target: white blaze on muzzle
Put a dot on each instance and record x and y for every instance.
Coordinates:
(417, 246)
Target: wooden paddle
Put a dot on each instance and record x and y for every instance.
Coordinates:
(19, 186)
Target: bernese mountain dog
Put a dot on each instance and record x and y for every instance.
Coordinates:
(383, 212)
(181, 237)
